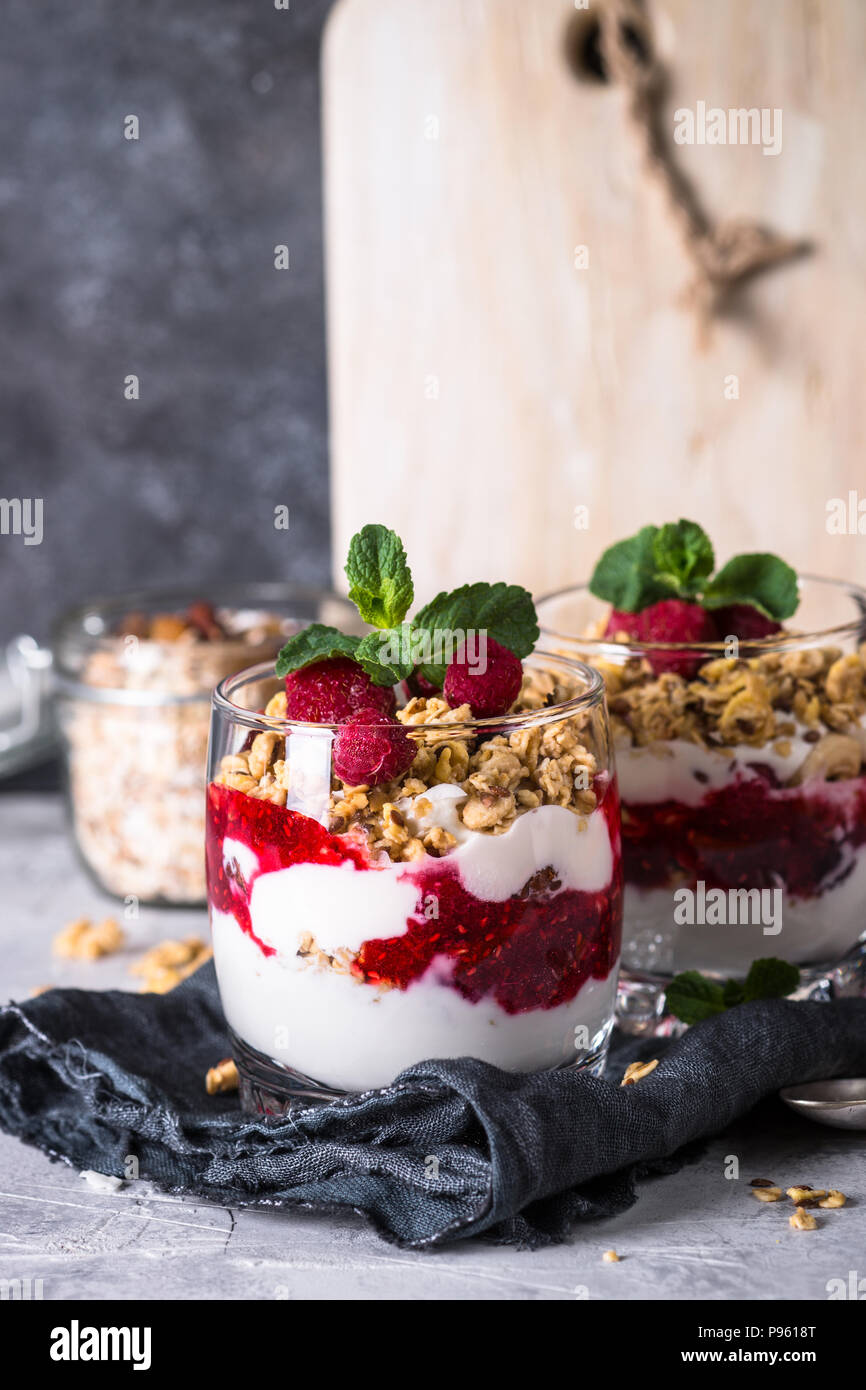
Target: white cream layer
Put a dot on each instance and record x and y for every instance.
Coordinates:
(813, 930)
(344, 906)
(819, 929)
(676, 770)
(351, 1035)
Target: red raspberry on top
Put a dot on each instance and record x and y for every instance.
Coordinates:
(743, 621)
(671, 620)
(489, 692)
(371, 748)
(327, 692)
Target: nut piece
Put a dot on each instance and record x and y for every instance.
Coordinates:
(767, 1194)
(636, 1071)
(836, 756)
(610, 1257)
(762, 1182)
(165, 965)
(223, 1077)
(834, 1198)
(802, 1220)
(805, 1196)
(85, 940)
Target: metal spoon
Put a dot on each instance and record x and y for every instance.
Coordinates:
(840, 1103)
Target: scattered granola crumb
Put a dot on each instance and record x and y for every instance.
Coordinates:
(165, 965)
(610, 1257)
(767, 1194)
(221, 1078)
(834, 1198)
(40, 989)
(86, 940)
(636, 1071)
(762, 1182)
(806, 1196)
(802, 1220)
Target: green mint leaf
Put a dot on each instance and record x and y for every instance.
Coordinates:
(770, 978)
(315, 643)
(380, 581)
(504, 612)
(683, 556)
(733, 993)
(691, 997)
(626, 576)
(764, 581)
(386, 655)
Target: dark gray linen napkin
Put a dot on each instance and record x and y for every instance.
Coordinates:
(451, 1149)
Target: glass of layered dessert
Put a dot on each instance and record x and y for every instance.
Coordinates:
(412, 853)
(133, 681)
(738, 714)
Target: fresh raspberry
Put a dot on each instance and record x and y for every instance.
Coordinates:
(620, 622)
(671, 620)
(489, 693)
(371, 748)
(743, 621)
(329, 691)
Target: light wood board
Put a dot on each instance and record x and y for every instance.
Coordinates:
(482, 388)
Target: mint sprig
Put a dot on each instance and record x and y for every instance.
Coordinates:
(764, 581)
(315, 643)
(386, 655)
(677, 560)
(381, 588)
(626, 575)
(380, 581)
(683, 556)
(692, 997)
(505, 612)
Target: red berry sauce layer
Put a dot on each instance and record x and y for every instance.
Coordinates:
(277, 837)
(532, 951)
(749, 834)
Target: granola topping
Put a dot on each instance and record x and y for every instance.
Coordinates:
(495, 778)
(759, 701)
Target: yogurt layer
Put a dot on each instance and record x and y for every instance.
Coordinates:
(678, 770)
(347, 973)
(692, 815)
(350, 1036)
(813, 931)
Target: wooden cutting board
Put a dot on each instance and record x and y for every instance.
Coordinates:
(485, 388)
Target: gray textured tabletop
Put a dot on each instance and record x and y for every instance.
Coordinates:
(696, 1234)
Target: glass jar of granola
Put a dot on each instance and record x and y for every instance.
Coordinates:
(742, 773)
(464, 900)
(133, 680)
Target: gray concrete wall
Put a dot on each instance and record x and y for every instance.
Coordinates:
(156, 257)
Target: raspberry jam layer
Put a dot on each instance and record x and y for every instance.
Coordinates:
(531, 951)
(277, 838)
(749, 834)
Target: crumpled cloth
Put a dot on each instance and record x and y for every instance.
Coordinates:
(452, 1149)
